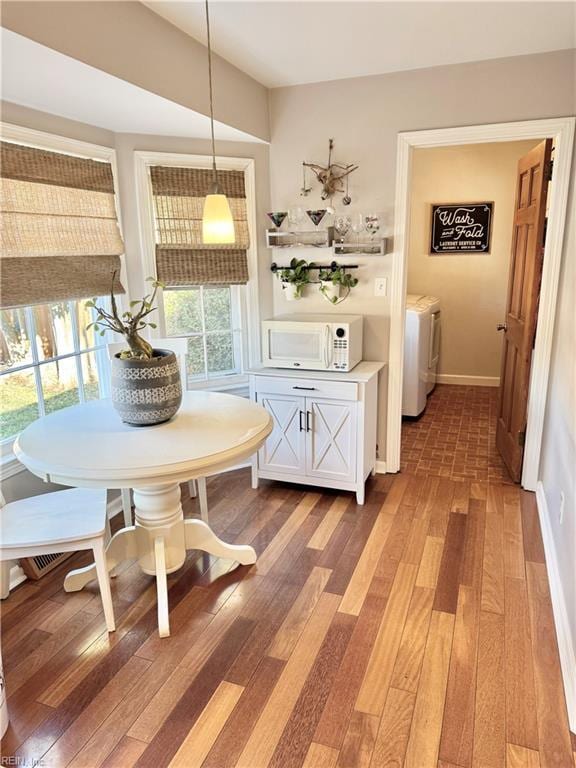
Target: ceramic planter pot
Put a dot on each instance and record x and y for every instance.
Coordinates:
(330, 290)
(291, 291)
(146, 392)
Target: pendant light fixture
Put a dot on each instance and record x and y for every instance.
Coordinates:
(217, 222)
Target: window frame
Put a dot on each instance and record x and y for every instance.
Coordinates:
(237, 330)
(248, 304)
(51, 142)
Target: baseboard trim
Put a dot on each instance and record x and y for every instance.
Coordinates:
(380, 467)
(563, 636)
(114, 507)
(468, 381)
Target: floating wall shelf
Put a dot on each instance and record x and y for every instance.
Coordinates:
(375, 247)
(323, 239)
(314, 238)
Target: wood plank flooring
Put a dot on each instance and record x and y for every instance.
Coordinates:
(415, 631)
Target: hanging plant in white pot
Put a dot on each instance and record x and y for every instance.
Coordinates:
(294, 278)
(334, 281)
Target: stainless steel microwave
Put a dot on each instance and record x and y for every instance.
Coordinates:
(312, 342)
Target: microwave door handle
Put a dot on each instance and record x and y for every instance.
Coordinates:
(327, 347)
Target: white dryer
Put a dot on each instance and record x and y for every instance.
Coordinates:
(421, 351)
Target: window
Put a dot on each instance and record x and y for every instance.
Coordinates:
(63, 192)
(210, 317)
(48, 361)
(211, 296)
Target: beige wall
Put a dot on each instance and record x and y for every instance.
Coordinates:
(471, 286)
(131, 42)
(364, 115)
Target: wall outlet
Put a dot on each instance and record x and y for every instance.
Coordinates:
(561, 507)
(380, 286)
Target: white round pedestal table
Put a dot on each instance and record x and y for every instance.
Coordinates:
(89, 446)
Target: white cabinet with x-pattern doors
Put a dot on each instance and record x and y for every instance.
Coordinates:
(324, 426)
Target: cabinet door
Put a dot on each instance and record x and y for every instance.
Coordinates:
(331, 439)
(285, 450)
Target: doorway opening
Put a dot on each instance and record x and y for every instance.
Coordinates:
(476, 234)
(561, 131)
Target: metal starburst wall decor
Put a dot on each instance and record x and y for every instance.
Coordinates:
(333, 177)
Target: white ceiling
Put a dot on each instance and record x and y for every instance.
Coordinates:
(38, 77)
(288, 43)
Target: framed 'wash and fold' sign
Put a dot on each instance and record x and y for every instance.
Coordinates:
(461, 228)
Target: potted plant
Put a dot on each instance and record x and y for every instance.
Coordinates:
(333, 280)
(294, 278)
(146, 386)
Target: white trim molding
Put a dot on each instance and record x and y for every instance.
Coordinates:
(51, 141)
(566, 647)
(562, 131)
(9, 464)
(468, 381)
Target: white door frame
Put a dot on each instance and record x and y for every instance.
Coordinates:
(562, 130)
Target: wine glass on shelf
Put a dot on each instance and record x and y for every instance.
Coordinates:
(316, 216)
(372, 222)
(295, 217)
(342, 226)
(358, 225)
(277, 217)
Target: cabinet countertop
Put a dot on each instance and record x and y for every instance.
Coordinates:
(362, 372)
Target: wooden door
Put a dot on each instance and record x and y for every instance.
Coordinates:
(522, 304)
(285, 449)
(331, 446)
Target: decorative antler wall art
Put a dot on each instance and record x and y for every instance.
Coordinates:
(331, 177)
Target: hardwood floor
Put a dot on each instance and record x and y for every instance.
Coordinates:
(414, 631)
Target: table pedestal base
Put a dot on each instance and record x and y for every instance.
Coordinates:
(160, 540)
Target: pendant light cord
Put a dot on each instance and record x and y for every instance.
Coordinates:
(211, 98)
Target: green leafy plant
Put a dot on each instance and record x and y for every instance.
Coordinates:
(336, 276)
(129, 323)
(297, 274)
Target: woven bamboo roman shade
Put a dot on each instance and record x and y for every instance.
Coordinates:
(181, 256)
(59, 231)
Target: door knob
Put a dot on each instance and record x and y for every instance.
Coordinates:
(501, 327)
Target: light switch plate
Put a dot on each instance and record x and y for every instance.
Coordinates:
(380, 286)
